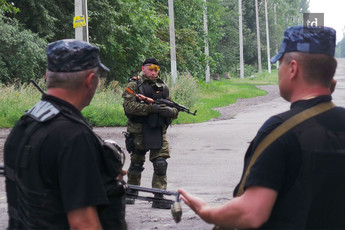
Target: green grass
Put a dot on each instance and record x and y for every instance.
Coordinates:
(225, 92)
(14, 101)
(106, 107)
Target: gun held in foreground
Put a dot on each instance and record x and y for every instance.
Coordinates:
(176, 209)
(169, 103)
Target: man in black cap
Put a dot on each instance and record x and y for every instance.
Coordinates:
(293, 175)
(57, 176)
(146, 126)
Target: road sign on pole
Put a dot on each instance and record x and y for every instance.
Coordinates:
(80, 21)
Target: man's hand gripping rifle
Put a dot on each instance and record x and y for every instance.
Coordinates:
(166, 102)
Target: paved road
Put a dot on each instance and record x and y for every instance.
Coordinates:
(207, 161)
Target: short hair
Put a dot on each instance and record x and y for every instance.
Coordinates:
(68, 80)
(318, 68)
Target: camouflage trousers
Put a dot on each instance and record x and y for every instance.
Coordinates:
(138, 158)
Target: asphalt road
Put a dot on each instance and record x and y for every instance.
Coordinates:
(207, 160)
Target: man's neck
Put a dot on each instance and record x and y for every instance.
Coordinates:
(309, 94)
(67, 96)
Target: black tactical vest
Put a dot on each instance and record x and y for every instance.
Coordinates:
(150, 89)
(315, 201)
(153, 124)
(30, 204)
(28, 199)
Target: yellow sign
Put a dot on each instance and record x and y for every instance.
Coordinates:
(79, 21)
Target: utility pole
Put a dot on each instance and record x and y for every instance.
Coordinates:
(258, 36)
(172, 41)
(207, 53)
(80, 22)
(268, 40)
(241, 38)
(275, 24)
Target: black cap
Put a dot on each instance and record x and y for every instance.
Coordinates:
(70, 55)
(150, 60)
(316, 40)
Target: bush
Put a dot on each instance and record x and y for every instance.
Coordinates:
(185, 91)
(106, 106)
(22, 53)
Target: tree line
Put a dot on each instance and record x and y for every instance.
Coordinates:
(128, 31)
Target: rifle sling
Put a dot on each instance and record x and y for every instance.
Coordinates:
(279, 131)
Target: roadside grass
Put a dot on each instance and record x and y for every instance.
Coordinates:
(106, 108)
(225, 92)
(14, 100)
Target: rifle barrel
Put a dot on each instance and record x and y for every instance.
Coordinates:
(36, 85)
(2, 170)
(152, 190)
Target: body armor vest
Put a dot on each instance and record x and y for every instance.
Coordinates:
(30, 204)
(152, 124)
(313, 200)
(149, 89)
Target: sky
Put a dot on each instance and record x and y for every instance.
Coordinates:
(334, 14)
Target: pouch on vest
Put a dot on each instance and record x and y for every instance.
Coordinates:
(114, 157)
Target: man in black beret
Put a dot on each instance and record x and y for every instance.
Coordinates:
(55, 166)
(293, 175)
(147, 125)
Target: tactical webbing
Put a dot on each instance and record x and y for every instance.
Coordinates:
(279, 131)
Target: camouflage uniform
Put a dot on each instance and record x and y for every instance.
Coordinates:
(133, 106)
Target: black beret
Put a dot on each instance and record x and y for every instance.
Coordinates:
(70, 55)
(150, 60)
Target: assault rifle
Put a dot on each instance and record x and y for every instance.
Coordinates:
(169, 103)
(176, 209)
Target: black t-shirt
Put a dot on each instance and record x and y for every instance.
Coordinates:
(279, 164)
(71, 161)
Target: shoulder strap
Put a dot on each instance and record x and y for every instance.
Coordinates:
(43, 111)
(279, 131)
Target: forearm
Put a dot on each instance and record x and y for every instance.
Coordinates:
(250, 210)
(84, 218)
(230, 215)
(136, 108)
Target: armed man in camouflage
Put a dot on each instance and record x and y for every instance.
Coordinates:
(146, 127)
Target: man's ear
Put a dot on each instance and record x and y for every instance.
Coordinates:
(90, 80)
(333, 84)
(293, 69)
